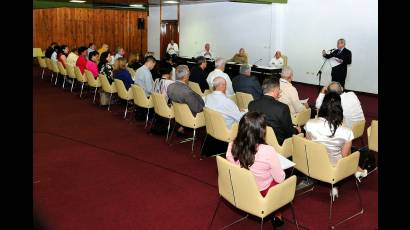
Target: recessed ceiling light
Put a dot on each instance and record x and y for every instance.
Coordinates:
(171, 1)
(77, 1)
(137, 6)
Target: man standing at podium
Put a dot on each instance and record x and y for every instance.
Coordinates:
(344, 57)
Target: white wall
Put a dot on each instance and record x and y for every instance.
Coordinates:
(300, 29)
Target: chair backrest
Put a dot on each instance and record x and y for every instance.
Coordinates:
(243, 99)
(195, 87)
(285, 60)
(301, 118)
(79, 76)
(54, 66)
(140, 98)
(70, 71)
(373, 136)
(105, 84)
(233, 98)
(358, 128)
(161, 107)
(184, 117)
(237, 185)
(37, 52)
(91, 80)
(122, 91)
(49, 65)
(42, 62)
(132, 72)
(61, 69)
(216, 126)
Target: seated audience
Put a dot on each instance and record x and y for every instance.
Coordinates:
(250, 151)
(170, 60)
(352, 109)
(277, 113)
(50, 50)
(277, 61)
(143, 76)
(119, 52)
(246, 83)
(219, 72)
(72, 57)
(55, 52)
(198, 73)
(181, 93)
(207, 53)
(61, 56)
(219, 102)
(81, 60)
(161, 84)
(134, 61)
(91, 48)
(104, 48)
(327, 129)
(121, 72)
(241, 57)
(105, 67)
(92, 63)
(289, 93)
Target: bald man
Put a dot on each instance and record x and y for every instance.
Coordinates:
(219, 102)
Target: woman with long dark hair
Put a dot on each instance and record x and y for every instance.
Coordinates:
(62, 55)
(105, 67)
(250, 151)
(327, 129)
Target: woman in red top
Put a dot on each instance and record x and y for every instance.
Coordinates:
(82, 61)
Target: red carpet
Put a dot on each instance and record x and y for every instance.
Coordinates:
(94, 170)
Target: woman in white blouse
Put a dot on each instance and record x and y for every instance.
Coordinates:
(327, 129)
(277, 61)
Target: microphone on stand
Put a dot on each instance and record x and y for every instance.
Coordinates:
(254, 64)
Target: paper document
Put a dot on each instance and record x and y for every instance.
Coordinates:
(265, 67)
(285, 162)
(304, 101)
(333, 61)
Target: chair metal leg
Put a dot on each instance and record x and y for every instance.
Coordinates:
(95, 93)
(109, 102)
(293, 214)
(203, 143)
(64, 82)
(72, 84)
(169, 125)
(237, 221)
(42, 74)
(55, 83)
(126, 110)
(216, 209)
(274, 226)
(172, 133)
(82, 86)
(146, 120)
(52, 75)
(193, 142)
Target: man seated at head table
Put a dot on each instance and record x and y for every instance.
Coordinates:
(289, 93)
(240, 58)
(246, 83)
(207, 53)
(219, 72)
(277, 113)
(352, 108)
(198, 73)
(219, 102)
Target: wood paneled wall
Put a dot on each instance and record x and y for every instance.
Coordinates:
(79, 26)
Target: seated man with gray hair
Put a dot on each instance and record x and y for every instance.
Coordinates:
(352, 109)
(180, 92)
(246, 83)
(219, 72)
(219, 102)
(289, 93)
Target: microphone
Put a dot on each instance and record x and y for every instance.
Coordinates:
(331, 50)
(257, 61)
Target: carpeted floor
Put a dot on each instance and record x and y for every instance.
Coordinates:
(94, 170)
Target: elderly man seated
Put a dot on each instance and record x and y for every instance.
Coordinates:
(247, 83)
(219, 102)
(352, 109)
(289, 94)
(219, 72)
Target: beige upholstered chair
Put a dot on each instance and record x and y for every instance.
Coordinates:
(162, 109)
(71, 74)
(237, 185)
(37, 53)
(50, 67)
(184, 117)
(55, 70)
(43, 65)
(132, 73)
(312, 159)
(141, 100)
(285, 60)
(124, 94)
(63, 71)
(373, 136)
(301, 118)
(195, 87)
(286, 149)
(80, 77)
(233, 98)
(243, 100)
(358, 129)
(107, 87)
(92, 82)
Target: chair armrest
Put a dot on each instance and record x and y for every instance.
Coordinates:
(279, 195)
(346, 167)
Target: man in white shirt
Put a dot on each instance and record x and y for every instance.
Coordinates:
(289, 93)
(352, 109)
(144, 77)
(207, 53)
(172, 48)
(219, 102)
(277, 61)
(119, 52)
(219, 72)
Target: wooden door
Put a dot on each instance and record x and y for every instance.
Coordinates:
(169, 31)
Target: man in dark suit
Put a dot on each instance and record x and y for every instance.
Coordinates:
(277, 113)
(344, 57)
(246, 83)
(198, 73)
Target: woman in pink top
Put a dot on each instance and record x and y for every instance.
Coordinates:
(250, 151)
(92, 63)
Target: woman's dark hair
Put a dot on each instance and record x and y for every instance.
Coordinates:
(165, 68)
(331, 109)
(61, 49)
(251, 133)
(92, 54)
(103, 59)
(81, 49)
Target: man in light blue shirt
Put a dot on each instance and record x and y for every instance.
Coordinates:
(219, 102)
(143, 76)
